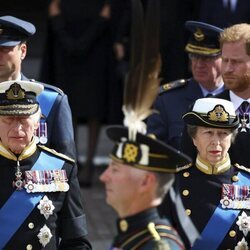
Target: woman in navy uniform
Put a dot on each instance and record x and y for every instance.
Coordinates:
(40, 199)
(214, 192)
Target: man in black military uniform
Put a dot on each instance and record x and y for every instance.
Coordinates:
(138, 177)
(40, 196)
(214, 192)
(56, 130)
(175, 98)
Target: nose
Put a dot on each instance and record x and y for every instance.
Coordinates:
(17, 125)
(104, 176)
(215, 139)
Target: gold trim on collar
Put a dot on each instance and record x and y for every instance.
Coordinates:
(219, 168)
(28, 151)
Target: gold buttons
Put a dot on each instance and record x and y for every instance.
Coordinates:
(29, 247)
(188, 212)
(232, 233)
(235, 178)
(186, 174)
(123, 225)
(185, 192)
(31, 225)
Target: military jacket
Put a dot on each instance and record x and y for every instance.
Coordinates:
(146, 231)
(60, 132)
(167, 124)
(57, 221)
(201, 193)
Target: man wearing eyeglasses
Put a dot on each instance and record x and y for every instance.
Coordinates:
(175, 98)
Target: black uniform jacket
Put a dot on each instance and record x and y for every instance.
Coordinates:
(201, 193)
(67, 222)
(134, 232)
(59, 123)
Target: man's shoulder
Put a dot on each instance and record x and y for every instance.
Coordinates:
(56, 154)
(173, 86)
(49, 87)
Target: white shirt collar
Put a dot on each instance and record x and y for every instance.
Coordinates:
(236, 100)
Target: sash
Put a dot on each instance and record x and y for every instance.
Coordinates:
(46, 101)
(20, 204)
(219, 224)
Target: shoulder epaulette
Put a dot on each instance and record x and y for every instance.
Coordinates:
(54, 152)
(50, 87)
(241, 167)
(184, 167)
(172, 85)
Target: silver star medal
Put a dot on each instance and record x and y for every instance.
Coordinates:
(244, 223)
(46, 207)
(44, 235)
(242, 245)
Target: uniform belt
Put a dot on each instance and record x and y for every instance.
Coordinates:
(20, 204)
(219, 224)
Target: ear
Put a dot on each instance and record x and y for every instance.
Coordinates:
(194, 141)
(148, 181)
(23, 49)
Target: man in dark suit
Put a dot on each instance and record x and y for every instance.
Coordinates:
(175, 98)
(56, 130)
(40, 197)
(235, 71)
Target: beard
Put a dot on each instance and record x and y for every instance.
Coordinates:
(236, 83)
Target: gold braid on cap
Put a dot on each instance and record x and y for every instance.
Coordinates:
(142, 82)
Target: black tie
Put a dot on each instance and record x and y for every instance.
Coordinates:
(244, 116)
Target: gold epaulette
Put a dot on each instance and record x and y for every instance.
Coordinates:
(241, 167)
(184, 167)
(172, 85)
(54, 152)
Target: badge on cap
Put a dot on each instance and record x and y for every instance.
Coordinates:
(218, 114)
(46, 207)
(199, 35)
(44, 235)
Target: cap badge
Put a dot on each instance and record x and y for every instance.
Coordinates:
(218, 114)
(199, 35)
(130, 152)
(15, 92)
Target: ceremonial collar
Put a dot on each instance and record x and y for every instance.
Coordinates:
(136, 221)
(28, 151)
(219, 168)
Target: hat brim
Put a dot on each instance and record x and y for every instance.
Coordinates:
(8, 43)
(19, 109)
(174, 160)
(196, 119)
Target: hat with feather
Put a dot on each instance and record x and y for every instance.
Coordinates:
(132, 144)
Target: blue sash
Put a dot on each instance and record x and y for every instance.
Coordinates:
(20, 204)
(219, 224)
(46, 100)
